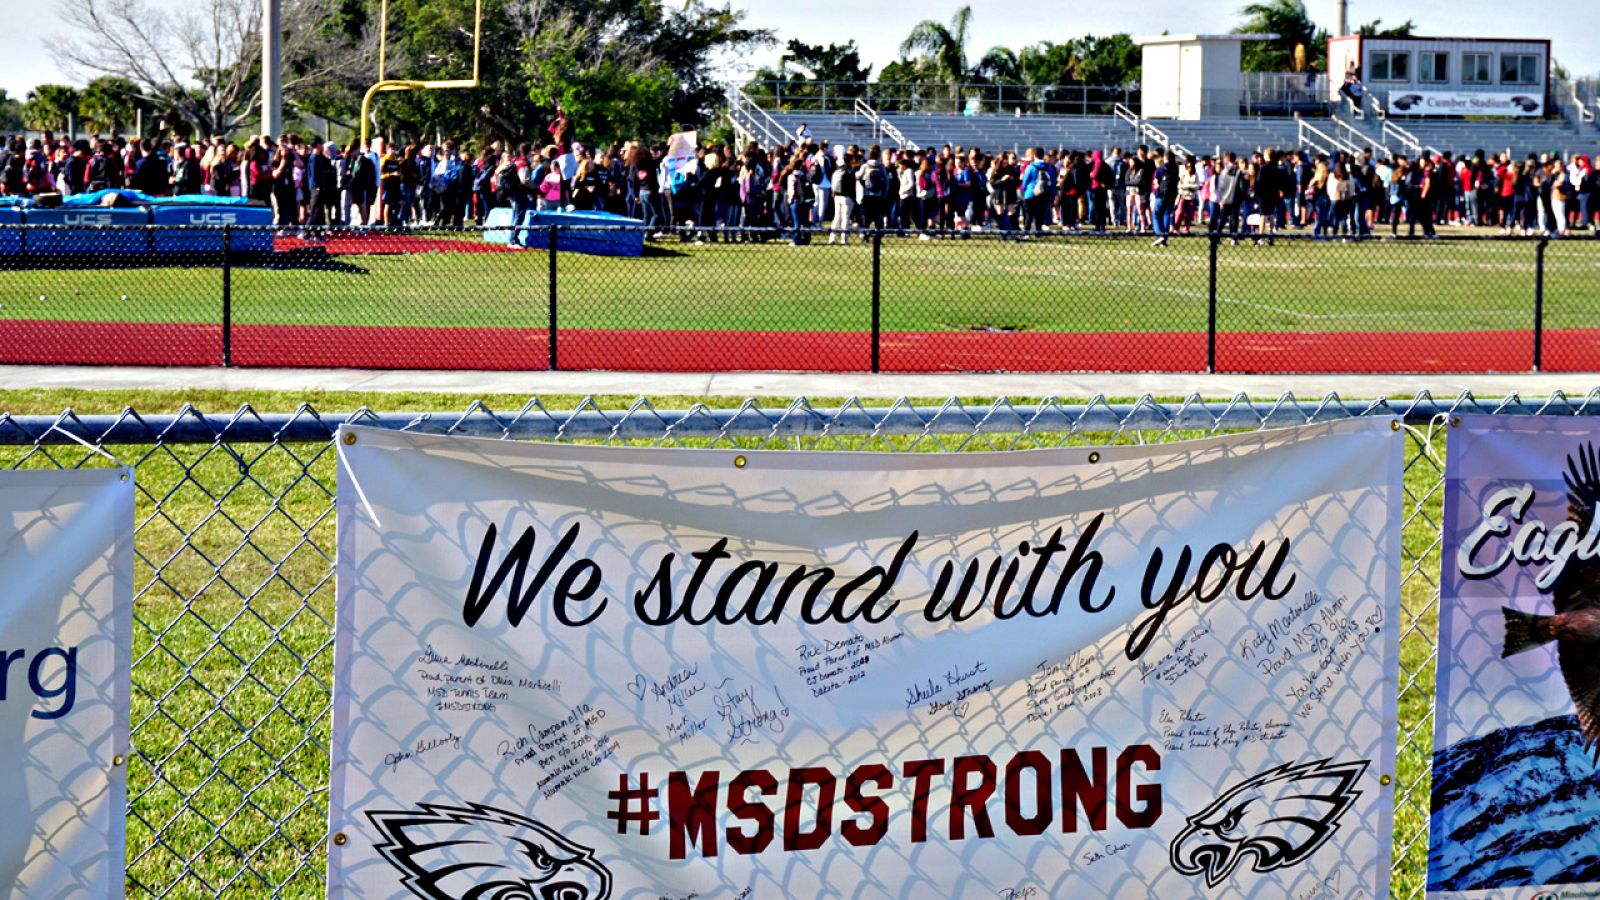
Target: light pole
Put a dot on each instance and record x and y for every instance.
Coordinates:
(271, 67)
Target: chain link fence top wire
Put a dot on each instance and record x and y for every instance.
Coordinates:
(234, 545)
(730, 299)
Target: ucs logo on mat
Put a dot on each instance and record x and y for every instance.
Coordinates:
(1273, 820)
(480, 853)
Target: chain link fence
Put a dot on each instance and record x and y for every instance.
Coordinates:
(730, 299)
(234, 548)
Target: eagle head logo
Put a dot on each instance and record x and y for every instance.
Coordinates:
(476, 852)
(1273, 820)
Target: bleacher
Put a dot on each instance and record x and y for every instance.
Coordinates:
(1241, 135)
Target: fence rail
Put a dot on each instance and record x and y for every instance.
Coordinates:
(234, 548)
(730, 299)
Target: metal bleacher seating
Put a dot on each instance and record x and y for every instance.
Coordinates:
(1241, 135)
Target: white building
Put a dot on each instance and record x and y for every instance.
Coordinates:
(1435, 76)
(1192, 76)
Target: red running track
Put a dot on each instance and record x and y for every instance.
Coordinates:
(375, 347)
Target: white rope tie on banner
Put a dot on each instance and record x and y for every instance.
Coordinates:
(92, 447)
(347, 440)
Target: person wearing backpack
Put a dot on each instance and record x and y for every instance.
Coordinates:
(363, 181)
(844, 199)
(102, 167)
(874, 181)
(13, 181)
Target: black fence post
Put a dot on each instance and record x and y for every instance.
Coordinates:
(227, 295)
(1211, 305)
(877, 297)
(1538, 304)
(552, 244)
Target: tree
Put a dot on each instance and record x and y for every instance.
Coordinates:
(1111, 60)
(203, 62)
(1287, 19)
(621, 69)
(1375, 29)
(10, 112)
(49, 106)
(944, 45)
(798, 81)
(111, 104)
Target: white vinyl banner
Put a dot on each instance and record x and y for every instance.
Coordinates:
(1407, 102)
(66, 619)
(573, 673)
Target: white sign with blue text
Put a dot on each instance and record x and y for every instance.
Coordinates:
(66, 560)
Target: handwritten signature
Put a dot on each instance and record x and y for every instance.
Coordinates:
(421, 748)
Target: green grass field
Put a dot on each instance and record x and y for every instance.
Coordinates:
(1052, 285)
(232, 635)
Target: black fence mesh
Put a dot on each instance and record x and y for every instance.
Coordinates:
(733, 299)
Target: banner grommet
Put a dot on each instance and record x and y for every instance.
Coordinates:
(349, 438)
(740, 462)
(340, 839)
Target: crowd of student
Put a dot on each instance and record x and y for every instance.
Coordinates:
(805, 186)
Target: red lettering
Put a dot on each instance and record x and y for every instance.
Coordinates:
(1043, 811)
(793, 837)
(921, 772)
(963, 796)
(1148, 794)
(691, 817)
(746, 843)
(857, 834)
(1077, 788)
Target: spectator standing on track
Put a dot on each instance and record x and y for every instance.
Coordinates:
(286, 210)
(873, 179)
(1188, 195)
(1035, 199)
(1101, 180)
(1164, 202)
(797, 196)
(322, 184)
(1230, 196)
(188, 178)
(363, 182)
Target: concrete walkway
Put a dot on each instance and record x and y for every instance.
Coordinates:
(787, 384)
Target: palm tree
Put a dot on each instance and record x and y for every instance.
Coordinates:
(945, 45)
(1290, 21)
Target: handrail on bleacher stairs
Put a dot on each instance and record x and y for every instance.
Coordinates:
(1143, 130)
(1357, 137)
(1309, 135)
(757, 123)
(1407, 139)
(881, 125)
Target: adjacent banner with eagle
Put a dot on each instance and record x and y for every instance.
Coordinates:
(1516, 761)
(578, 673)
(66, 623)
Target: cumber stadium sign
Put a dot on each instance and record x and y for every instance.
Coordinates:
(1464, 103)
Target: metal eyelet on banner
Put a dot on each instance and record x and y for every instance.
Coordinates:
(1394, 424)
(117, 760)
(1385, 780)
(340, 839)
(739, 461)
(349, 438)
(1094, 457)
(1455, 421)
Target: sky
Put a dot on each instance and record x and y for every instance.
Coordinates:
(878, 26)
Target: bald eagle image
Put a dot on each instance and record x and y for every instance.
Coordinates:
(476, 852)
(1575, 626)
(1273, 820)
